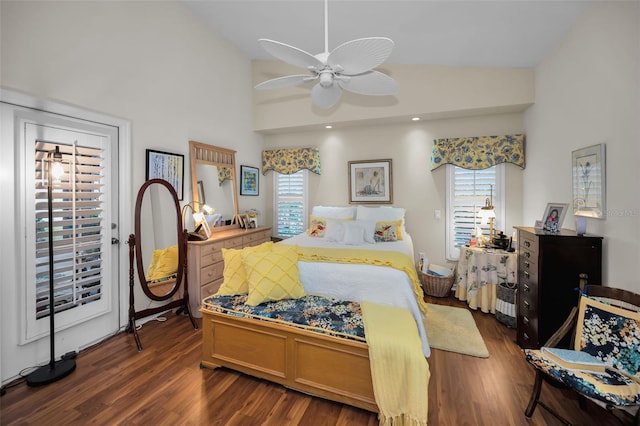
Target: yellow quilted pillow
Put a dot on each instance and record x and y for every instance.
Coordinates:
(273, 275)
(235, 277)
(164, 263)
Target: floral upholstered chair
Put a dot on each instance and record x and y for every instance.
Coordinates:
(606, 324)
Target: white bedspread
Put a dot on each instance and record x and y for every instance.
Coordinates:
(378, 284)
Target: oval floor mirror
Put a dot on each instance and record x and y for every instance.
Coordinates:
(158, 251)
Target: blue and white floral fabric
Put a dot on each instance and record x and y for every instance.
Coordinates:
(478, 152)
(316, 313)
(480, 270)
(612, 335)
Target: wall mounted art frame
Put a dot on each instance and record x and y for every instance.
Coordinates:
(370, 181)
(589, 184)
(554, 216)
(166, 166)
(249, 180)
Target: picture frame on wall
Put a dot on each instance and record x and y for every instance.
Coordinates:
(370, 181)
(166, 166)
(589, 183)
(249, 180)
(554, 216)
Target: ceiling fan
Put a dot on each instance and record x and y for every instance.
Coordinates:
(349, 67)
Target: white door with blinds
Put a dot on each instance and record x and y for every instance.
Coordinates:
(290, 201)
(84, 206)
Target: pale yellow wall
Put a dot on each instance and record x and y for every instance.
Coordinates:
(415, 187)
(426, 90)
(588, 92)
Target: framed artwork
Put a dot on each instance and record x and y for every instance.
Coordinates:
(370, 182)
(166, 166)
(589, 185)
(553, 216)
(249, 180)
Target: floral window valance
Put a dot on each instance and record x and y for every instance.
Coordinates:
(224, 173)
(291, 160)
(477, 153)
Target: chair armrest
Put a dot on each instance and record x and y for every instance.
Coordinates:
(563, 330)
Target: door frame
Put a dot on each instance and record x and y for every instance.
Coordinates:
(124, 173)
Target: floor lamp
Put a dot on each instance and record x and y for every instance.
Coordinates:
(53, 371)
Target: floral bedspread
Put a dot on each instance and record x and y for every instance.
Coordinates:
(316, 313)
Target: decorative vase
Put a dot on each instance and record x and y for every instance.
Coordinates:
(581, 226)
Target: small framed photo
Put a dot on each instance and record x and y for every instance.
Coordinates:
(249, 180)
(553, 216)
(370, 182)
(166, 166)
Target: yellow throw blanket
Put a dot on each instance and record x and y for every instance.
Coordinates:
(399, 370)
(392, 259)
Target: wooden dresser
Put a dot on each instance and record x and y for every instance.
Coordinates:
(205, 261)
(548, 276)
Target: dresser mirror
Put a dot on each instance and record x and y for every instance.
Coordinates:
(157, 250)
(213, 182)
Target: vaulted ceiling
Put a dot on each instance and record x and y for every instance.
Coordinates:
(500, 33)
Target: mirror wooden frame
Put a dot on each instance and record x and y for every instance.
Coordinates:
(135, 258)
(202, 153)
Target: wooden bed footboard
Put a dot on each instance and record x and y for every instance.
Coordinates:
(329, 367)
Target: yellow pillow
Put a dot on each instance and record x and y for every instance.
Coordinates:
(317, 226)
(273, 275)
(235, 277)
(388, 231)
(164, 263)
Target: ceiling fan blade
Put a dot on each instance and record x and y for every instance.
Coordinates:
(370, 83)
(360, 55)
(325, 97)
(289, 54)
(288, 81)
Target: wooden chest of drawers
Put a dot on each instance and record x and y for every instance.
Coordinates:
(205, 265)
(548, 276)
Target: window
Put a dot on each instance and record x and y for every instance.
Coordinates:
(467, 192)
(290, 201)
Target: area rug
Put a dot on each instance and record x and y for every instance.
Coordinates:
(454, 330)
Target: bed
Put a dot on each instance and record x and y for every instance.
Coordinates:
(362, 282)
(334, 265)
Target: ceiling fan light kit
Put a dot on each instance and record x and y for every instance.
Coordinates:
(349, 67)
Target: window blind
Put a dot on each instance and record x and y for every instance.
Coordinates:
(468, 191)
(77, 206)
(290, 203)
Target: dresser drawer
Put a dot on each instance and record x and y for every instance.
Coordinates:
(256, 238)
(211, 273)
(527, 333)
(528, 242)
(233, 242)
(211, 288)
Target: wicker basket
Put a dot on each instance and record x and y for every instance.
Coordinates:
(433, 285)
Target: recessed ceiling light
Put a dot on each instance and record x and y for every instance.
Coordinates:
(328, 126)
(415, 118)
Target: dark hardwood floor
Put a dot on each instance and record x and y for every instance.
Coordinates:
(163, 384)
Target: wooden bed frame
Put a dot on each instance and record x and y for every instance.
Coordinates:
(329, 367)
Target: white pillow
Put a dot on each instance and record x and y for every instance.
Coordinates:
(358, 232)
(380, 214)
(353, 235)
(334, 212)
(335, 230)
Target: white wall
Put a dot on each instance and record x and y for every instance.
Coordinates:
(587, 92)
(429, 91)
(152, 63)
(415, 187)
